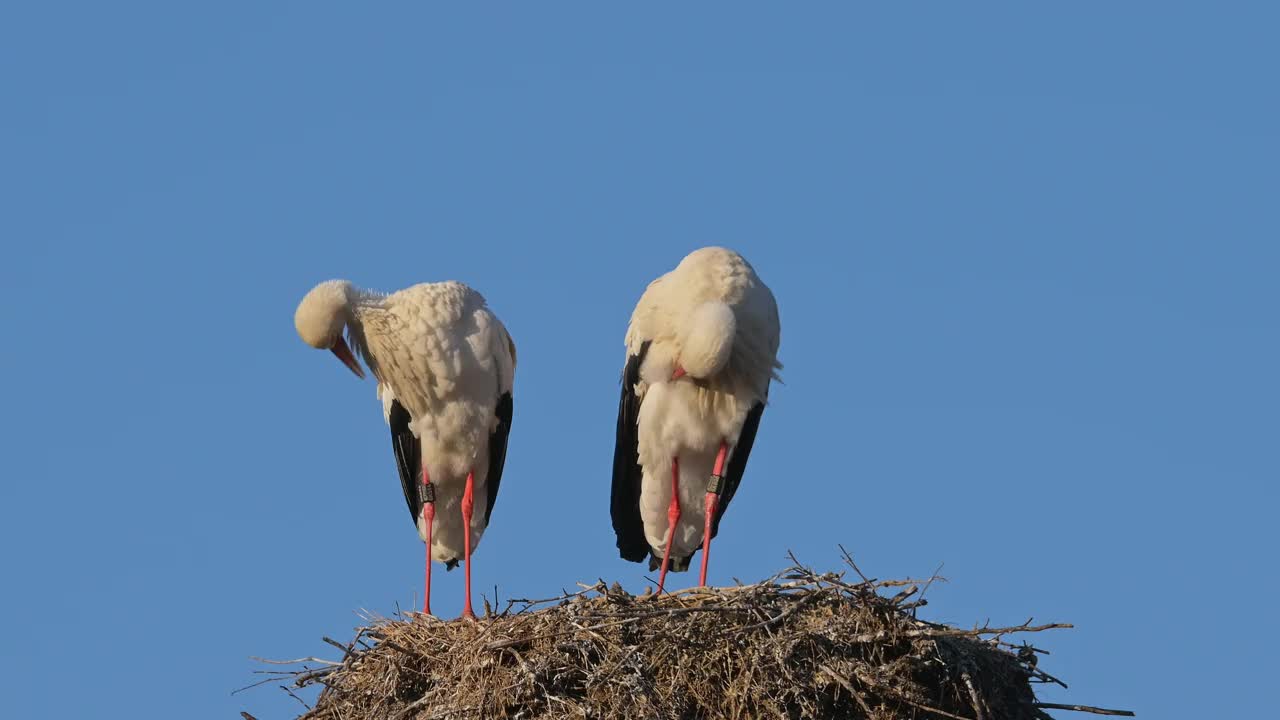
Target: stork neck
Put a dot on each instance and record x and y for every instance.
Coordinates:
(359, 298)
(360, 303)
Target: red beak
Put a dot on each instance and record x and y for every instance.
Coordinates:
(677, 373)
(344, 354)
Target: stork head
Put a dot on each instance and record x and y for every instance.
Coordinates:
(321, 317)
(706, 341)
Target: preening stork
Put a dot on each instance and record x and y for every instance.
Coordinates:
(445, 367)
(701, 350)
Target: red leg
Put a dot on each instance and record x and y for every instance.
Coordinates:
(713, 503)
(673, 517)
(468, 504)
(428, 519)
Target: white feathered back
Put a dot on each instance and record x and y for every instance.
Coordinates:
(712, 275)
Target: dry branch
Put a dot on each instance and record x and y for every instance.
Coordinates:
(797, 645)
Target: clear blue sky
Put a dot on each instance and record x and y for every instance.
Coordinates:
(1026, 259)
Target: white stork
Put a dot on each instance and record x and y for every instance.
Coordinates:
(445, 366)
(701, 350)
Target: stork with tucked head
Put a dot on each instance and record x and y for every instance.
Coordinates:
(445, 367)
(701, 351)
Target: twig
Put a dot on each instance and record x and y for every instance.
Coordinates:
(1046, 677)
(849, 561)
(276, 676)
(973, 695)
(346, 649)
(295, 697)
(933, 632)
(559, 598)
(303, 678)
(908, 592)
(934, 576)
(844, 682)
(293, 662)
(1085, 708)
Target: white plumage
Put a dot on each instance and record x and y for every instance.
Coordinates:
(441, 354)
(703, 341)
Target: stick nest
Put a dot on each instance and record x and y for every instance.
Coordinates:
(797, 645)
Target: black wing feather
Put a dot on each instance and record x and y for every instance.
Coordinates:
(627, 475)
(498, 450)
(408, 457)
(738, 463)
